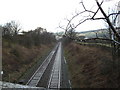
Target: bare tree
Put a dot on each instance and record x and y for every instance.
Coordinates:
(15, 27)
(11, 28)
(114, 34)
(91, 16)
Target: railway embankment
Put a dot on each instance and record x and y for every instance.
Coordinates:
(91, 67)
(19, 61)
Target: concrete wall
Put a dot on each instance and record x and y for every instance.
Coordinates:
(12, 86)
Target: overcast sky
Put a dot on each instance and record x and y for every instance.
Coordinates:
(44, 13)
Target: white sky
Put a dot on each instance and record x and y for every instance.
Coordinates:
(43, 13)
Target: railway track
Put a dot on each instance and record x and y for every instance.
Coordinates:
(36, 77)
(54, 77)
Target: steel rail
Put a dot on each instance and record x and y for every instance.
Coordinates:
(55, 78)
(34, 80)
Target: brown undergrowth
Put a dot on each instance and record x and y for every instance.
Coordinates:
(17, 59)
(91, 67)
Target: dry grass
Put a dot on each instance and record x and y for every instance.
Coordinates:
(90, 67)
(17, 59)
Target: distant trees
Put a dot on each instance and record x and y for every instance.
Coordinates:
(91, 14)
(37, 37)
(11, 30)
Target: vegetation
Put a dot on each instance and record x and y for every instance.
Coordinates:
(21, 51)
(91, 67)
(111, 34)
(102, 33)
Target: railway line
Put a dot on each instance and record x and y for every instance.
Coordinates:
(55, 77)
(49, 74)
(36, 77)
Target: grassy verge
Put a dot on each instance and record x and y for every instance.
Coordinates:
(38, 61)
(19, 61)
(91, 67)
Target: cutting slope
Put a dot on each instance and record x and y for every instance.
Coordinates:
(91, 67)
